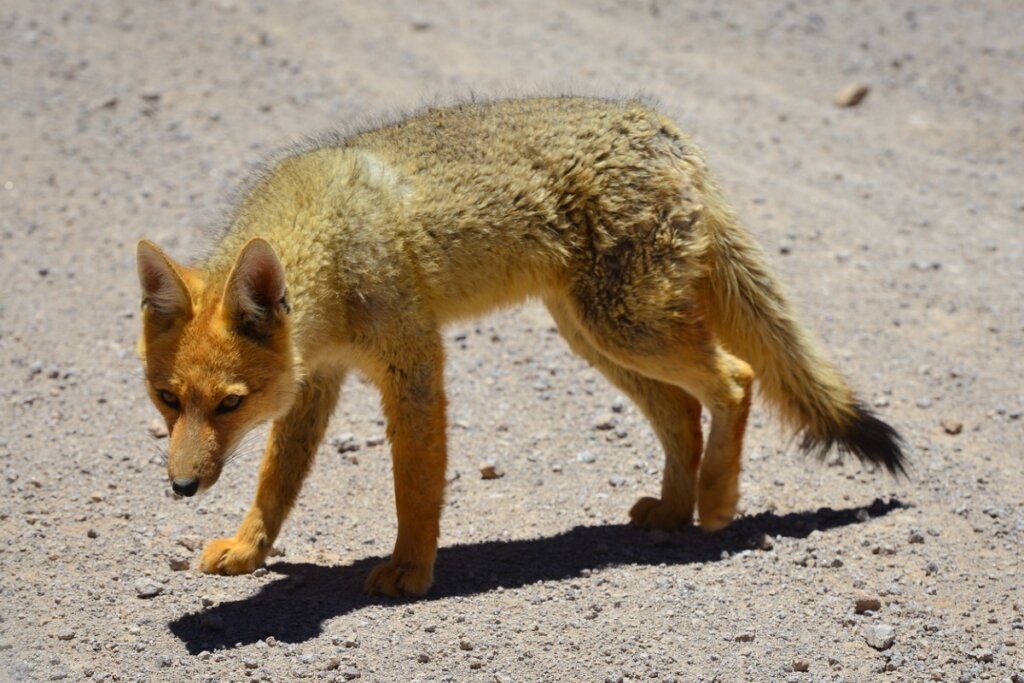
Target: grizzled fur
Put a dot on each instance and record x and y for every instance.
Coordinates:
(605, 210)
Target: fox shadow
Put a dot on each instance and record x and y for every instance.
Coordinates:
(293, 607)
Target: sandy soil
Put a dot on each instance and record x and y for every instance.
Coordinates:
(897, 224)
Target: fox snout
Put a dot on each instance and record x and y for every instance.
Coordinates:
(187, 481)
(193, 460)
(190, 475)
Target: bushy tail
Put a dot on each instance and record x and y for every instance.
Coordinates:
(752, 317)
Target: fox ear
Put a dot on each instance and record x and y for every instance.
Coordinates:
(164, 293)
(254, 297)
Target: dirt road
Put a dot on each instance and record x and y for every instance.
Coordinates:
(896, 223)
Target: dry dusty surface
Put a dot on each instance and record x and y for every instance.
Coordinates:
(897, 224)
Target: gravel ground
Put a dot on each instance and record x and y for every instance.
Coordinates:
(896, 222)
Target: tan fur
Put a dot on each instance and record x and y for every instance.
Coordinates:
(603, 209)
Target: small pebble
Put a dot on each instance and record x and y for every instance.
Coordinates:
(465, 644)
(951, 426)
(764, 541)
(491, 471)
(801, 665)
(148, 588)
(851, 95)
(423, 658)
(606, 422)
(189, 542)
(585, 456)
(157, 429)
(350, 674)
(177, 564)
(880, 636)
(866, 603)
(345, 443)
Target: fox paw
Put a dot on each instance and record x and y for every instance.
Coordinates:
(394, 581)
(654, 513)
(229, 556)
(717, 508)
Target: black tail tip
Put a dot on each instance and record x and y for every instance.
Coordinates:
(867, 437)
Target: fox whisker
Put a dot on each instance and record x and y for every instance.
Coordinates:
(161, 452)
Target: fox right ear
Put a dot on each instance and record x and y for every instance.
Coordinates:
(164, 293)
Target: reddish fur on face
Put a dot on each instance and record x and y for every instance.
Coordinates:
(201, 357)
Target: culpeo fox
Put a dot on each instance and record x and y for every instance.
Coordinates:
(354, 253)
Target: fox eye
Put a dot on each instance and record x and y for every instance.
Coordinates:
(169, 399)
(229, 403)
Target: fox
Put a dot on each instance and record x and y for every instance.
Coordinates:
(352, 252)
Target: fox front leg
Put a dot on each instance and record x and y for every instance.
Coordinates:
(414, 405)
(293, 441)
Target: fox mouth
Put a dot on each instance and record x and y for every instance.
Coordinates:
(194, 475)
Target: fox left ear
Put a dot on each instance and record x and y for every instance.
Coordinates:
(254, 297)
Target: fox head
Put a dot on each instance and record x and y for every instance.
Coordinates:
(217, 355)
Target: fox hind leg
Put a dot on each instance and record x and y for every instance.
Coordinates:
(674, 415)
(651, 320)
(722, 383)
(728, 392)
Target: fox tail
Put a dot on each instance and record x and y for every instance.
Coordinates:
(751, 315)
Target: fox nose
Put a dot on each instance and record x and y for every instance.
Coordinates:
(185, 487)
